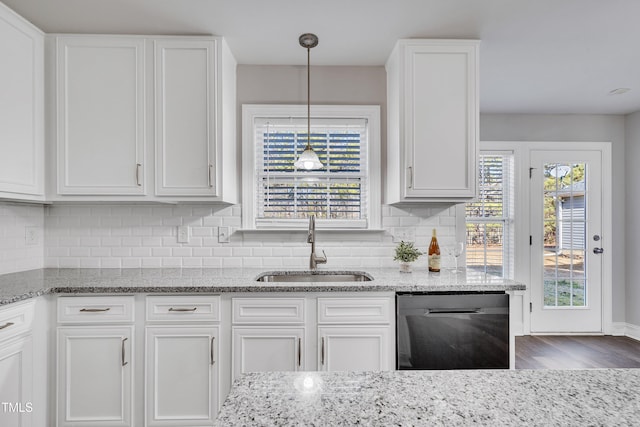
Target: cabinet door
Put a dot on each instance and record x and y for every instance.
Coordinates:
(101, 104)
(440, 120)
(181, 375)
(21, 106)
(354, 348)
(267, 349)
(16, 387)
(185, 117)
(94, 376)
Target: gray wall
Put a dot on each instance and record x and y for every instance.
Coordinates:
(632, 155)
(287, 84)
(567, 127)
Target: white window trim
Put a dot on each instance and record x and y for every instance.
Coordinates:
(371, 113)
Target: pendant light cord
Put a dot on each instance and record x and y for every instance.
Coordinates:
(308, 147)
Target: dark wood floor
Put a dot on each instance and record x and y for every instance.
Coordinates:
(576, 352)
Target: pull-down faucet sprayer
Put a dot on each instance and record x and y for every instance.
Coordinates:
(314, 259)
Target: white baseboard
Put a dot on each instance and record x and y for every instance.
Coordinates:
(618, 329)
(625, 329)
(632, 331)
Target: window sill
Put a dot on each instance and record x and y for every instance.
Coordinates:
(305, 230)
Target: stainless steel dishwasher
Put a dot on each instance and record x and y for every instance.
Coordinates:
(452, 331)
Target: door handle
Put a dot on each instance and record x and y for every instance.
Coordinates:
(124, 363)
(598, 251)
(138, 180)
(212, 352)
(322, 352)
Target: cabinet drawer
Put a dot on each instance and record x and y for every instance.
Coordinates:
(183, 308)
(111, 309)
(15, 319)
(268, 310)
(354, 310)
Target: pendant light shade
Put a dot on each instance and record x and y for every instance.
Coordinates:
(308, 160)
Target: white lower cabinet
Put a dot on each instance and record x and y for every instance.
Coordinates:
(95, 371)
(346, 332)
(16, 365)
(354, 348)
(112, 362)
(181, 375)
(16, 389)
(267, 349)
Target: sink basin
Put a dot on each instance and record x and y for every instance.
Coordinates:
(314, 276)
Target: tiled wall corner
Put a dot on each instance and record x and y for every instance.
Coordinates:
(16, 222)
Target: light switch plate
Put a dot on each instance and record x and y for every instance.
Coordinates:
(183, 234)
(32, 235)
(223, 234)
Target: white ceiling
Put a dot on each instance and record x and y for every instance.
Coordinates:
(537, 56)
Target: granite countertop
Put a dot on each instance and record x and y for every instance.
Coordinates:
(19, 286)
(608, 397)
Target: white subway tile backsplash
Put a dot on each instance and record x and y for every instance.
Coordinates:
(120, 236)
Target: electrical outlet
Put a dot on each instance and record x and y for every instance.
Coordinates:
(32, 235)
(404, 235)
(223, 234)
(183, 234)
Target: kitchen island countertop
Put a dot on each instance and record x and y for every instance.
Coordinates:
(24, 285)
(603, 397)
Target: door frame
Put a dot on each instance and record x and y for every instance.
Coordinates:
(521, 151)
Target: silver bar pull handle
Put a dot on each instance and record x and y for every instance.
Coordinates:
(138, 169)
(410, 170)
(212, 358)
(6, 325)
(322, 352)
(124, 363)
(453, 311)
(94, 310)
(182, 309)
(210, 175)
(299, 352)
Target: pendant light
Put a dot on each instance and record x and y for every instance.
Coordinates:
(308, 160)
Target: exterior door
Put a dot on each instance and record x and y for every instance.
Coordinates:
(566, 241)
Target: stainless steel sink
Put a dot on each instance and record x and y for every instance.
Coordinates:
(314, 276)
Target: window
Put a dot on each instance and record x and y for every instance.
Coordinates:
(489, 219)
(277, 195)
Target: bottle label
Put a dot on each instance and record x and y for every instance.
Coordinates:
(434, 262)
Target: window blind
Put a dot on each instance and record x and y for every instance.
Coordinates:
(489, 218)
(337, 192)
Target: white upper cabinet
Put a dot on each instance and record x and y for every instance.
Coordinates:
(432, 96)
(21, 108)
(144, 118)
(101, 115)
(185, 117)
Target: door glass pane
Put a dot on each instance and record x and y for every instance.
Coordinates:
(564, 220)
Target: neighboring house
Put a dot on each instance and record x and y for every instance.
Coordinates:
(571, 217)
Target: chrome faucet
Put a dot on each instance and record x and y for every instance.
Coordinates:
(314, 259)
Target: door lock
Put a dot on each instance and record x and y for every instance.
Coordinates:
(598, 251)
(596, 237)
